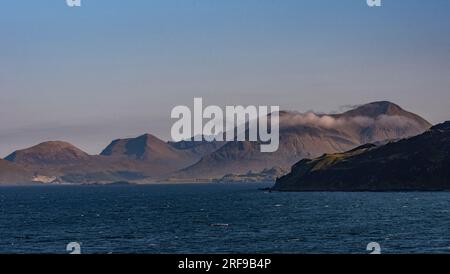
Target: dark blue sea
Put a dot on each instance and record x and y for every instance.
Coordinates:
(219, 218)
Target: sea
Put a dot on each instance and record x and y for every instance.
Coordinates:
(219, 218)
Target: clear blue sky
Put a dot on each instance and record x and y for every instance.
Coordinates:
(113, 69)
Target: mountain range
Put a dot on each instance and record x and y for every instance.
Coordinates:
(310, 135)
(146, 158)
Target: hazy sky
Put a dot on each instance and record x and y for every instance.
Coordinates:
(112, 69)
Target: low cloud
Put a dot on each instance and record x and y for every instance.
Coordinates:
(329, 122)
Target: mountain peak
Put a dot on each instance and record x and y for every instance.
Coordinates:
(148, 136)
(376, 109)
(134, 147)
(385, 108)
(52, 152)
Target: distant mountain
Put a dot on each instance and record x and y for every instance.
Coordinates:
(309, 135)
(419, 163)
(145, 159)
(150, 149)
(376, 109)
(383, 120)
(48, 153)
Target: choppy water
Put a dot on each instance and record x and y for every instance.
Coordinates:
(219, 219)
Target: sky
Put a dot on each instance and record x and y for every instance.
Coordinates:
(115, 69)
